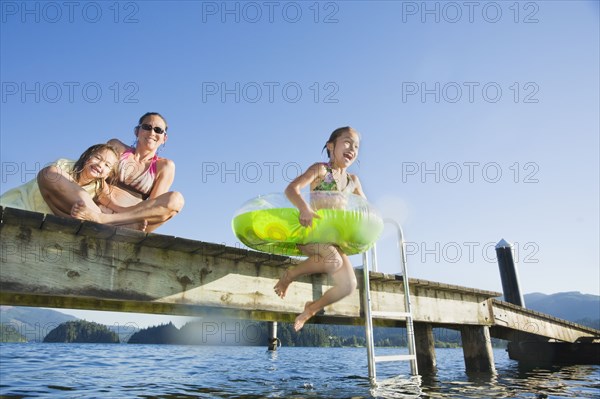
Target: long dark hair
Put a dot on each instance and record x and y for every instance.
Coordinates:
(87, 154)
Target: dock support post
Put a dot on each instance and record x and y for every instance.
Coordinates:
(273, 340)
(425, 346)
(477, 348)
(509, 274)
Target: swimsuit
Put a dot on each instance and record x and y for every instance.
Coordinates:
(329, 184)
(141, 185)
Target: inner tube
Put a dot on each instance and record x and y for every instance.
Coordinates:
(269, 223)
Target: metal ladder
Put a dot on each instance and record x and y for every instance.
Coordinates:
(369, 314)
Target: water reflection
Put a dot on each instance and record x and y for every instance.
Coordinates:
(514, 381)
(398, 388)
(565, 381)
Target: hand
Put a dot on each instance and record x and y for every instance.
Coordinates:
(307, 216)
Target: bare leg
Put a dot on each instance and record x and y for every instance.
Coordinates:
(61, 192)
(152, 212)
(344, 283)
(81, 211)
(323, 258)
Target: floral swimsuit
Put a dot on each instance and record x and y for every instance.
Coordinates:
(329, 184)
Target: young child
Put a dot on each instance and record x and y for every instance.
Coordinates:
(90, 172)
(342, 150)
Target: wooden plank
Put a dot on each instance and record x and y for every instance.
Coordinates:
(61, 224)
(22, 218)
(519, 323)
(279, 260)
(185, 245)
(158, 240)
(211, 249)
(126, 235)
(107, 269)
(235, 254)
(96, 230)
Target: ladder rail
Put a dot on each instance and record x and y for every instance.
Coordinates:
(410, 333)
(410, 330)
(369, 321)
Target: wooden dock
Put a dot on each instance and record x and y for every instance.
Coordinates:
(49, 261)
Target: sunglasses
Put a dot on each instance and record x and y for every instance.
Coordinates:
(148, 127)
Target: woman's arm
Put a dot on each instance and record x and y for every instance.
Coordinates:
(165, 175)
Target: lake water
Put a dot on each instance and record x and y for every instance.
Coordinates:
(162, 371)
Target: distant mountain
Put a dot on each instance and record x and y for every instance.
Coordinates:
(82, 331)
(31, 323)
(25, 324)
(573, 306)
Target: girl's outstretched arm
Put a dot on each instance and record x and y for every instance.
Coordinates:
(293, 192)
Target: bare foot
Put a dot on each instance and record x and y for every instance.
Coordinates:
(304, 316)
(283, 284)
(82, 212)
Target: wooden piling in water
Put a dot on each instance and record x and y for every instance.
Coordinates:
(477, 348)
(425, 346)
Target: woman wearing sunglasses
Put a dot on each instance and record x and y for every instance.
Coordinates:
(141, 196)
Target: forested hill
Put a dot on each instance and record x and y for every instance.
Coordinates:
(82, 331)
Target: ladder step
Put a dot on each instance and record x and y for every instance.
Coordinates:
(391, 315)
(394, 358)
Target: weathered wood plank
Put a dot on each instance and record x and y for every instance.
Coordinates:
(97, 230)
(89, 266)
(131, 236)
(22, 218)
(158, 240)
(185, 245)
(516, 323)
(61, 225)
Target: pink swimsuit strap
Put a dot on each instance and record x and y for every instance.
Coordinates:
(143, 183)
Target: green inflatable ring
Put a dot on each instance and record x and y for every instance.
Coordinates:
(269, 223)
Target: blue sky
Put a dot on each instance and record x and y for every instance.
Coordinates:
(479, 121)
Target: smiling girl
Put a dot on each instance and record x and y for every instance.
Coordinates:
(90, 174)
(342, 149)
